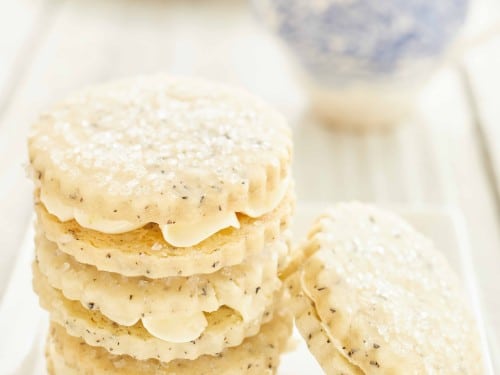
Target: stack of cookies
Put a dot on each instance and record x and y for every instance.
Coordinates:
(162, 213)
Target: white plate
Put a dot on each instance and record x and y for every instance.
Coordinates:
(23, 323)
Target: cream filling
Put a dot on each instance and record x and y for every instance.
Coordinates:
(190, 234)
(259, 208)
(179, 234)
(176, 327)
(184, 326)
(66, 212)
(63, 211)
(172, 327)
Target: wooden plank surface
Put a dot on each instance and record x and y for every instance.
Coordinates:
(465, 178)
(23, 25)
(433, 161)
(484, 89)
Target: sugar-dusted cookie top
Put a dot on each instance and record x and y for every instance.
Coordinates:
(160, 149)
(385, 297)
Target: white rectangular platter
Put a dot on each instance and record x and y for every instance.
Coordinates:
(23, 323)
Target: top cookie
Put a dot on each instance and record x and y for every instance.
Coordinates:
(386, 299)
(160, 149)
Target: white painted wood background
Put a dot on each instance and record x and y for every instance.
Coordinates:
(448, 156)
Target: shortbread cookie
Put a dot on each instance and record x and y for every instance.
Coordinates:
(144, 252)
(225, 328)
(257, 355)
(185, 154)
(316, 335)
(385, 299)
(245, 288)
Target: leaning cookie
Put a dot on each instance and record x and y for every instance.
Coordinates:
(257, 355)
(188, 155)
(318, 341)
(144, 251)
(381, 299)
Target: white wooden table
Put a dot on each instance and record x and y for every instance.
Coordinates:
(448, 156)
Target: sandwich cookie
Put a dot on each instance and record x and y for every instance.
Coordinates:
(144, 251)
(257, 355)
(225, 328)
(185, 154)
(246, 288)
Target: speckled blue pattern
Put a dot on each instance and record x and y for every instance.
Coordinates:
(363, 37)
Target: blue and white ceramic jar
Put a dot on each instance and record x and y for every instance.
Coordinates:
(364, 60)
